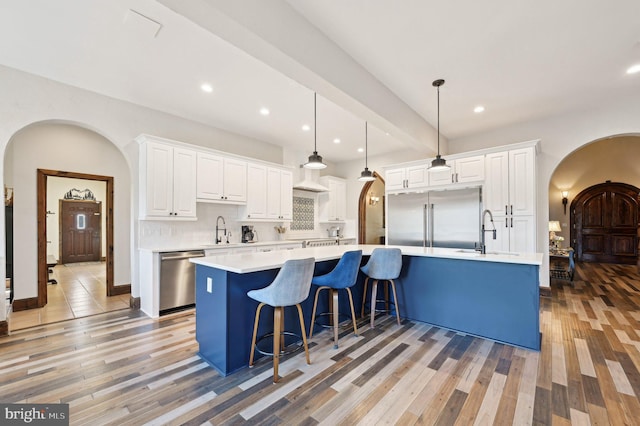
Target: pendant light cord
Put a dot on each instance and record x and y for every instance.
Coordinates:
(438, 121)
(366, 146)
(315, 125)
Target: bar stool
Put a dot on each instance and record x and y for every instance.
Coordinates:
(383, 265)
(290, 287)
(342, 276)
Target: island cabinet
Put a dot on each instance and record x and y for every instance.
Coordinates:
(333, 204)
(509, 193)
(221, 179)
(462, 170)
(167, 180)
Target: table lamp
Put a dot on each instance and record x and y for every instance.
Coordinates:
(554, 226)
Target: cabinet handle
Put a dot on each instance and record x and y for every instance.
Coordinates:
(453, 175)
(457, 178)
(512, 222)
(506, 223)
(511, 208)
(506, 210)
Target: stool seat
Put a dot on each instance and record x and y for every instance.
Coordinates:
(343, 276)
(384, 265)
(289, 288)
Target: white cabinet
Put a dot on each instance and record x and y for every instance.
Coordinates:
(279, 194)
(406, 177)
(221, 179)
(167, 181)
(462, 170)
(256, 192)
(333, 204)
(509, 193)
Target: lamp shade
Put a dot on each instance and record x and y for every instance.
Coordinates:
(554, 226)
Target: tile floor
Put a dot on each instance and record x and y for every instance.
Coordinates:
(80, 292)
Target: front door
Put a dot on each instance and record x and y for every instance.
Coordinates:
(80, 231)
(605, 223)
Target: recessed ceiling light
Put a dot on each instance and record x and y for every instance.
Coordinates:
(336, 140)
(360, 149)
(633, 69)
(478, 109)
(306, 127)
(206, 87)
(264, 111)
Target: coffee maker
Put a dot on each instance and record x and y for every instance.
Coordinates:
(248, 234)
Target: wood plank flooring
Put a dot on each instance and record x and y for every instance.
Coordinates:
(123, 368)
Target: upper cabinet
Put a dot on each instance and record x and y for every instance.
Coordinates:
(462, 170)
(406, 177)
(279, 194)
(221, 179)
(167, 181)
(333, 204)
(256, 192)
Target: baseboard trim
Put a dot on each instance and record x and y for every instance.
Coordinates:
(25, 304)
(4, 328)
(134, 302)
(545, 291)
(120, 289)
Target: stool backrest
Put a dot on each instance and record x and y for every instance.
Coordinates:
(384, 264)
(346, 271)
(292, 284)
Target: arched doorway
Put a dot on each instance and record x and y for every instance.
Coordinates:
(605, 220)
(371, 212)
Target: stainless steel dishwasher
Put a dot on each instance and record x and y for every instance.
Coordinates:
(177, 279)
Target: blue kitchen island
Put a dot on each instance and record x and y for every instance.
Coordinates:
(495, 296)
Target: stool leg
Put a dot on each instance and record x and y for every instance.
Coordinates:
(313, 313)
(353, 313)
(304, 337)
(334, 296)
(364, 295)
(277, 330)
(255, 332)
(395, 300)
(374, 290)
(386, 295)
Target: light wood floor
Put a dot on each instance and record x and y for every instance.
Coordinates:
(122, 368)
(80, 292)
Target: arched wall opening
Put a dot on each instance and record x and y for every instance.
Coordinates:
(62, 146)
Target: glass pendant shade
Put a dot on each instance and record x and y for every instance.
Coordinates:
(315, 160)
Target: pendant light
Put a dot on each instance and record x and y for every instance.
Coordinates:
(366, 175)
(439, 163)
(315, 160)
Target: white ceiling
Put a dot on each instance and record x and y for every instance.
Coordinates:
(367, 59)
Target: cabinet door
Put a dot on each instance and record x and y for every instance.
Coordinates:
(503, 232)
(286, 195)
(522, 182)
(470, 169)
(274, 192)
(257, 191)
(417, 176)
(184, 182)
(442, 177)
(496, 183)
(210, 177)
(340, 200)
(394, 179)
(235, 180)
(522, 237)
(159, 180)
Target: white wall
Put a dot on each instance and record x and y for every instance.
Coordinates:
(28, 99)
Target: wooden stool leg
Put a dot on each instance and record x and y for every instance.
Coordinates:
(304, 337)
(353, 313)
(255, 332)
(395, 300)
(313, 313)
(334, 296)
(386, 295)
(277, 331)
(374, 290)
(364, 295)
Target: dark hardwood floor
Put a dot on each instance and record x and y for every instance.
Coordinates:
(123, 368)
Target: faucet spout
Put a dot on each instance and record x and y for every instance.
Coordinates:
(483, 246)
(218, 229)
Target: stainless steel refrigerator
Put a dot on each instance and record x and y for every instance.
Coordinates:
(446, 218)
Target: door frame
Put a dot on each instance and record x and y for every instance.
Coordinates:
(362, 208)
(43, 276)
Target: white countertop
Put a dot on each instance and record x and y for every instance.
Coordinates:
(211, 246)
(252, 262)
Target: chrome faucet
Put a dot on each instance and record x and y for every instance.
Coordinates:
(483, 246)
(218, 229)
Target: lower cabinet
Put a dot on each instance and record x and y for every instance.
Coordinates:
(513, 234)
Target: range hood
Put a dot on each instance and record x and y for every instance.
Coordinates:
(310, 182)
